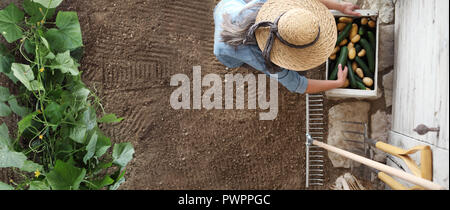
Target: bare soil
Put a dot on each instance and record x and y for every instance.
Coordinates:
(132, 48)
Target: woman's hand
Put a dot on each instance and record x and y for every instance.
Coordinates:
(342, 75)
(317, 86)
(348, 9)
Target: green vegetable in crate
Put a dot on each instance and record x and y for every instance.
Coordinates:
(364, 67)
(362, 31)
(370, 54)
(358, 48)
(372, 39)
(351, 75)
(341, 60)
(344, 34)
(360, 85)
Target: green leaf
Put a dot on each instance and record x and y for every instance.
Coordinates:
(68, 34)
(9, 158)
(4, 186)
(99, 184)
(65, 176)
(81, 93)
(32, 9)
(6, 60)
(16, 108)
(38, 185)
(54, 112)
(119, 180)
(49, 3)
(9, 18)
(110, 118)
(77, 54)
(103, 144)
(116, 185)
(66, 63)
(122, 154)
(90, 148)
(5, 141)
(26, 122)
(26, 76)
(30, 166)
(4, 110)
(4, 94)
(78, 133)
(89, 118)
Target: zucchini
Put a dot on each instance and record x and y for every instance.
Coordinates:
(341, 60)
(344, 33)
(358, 48)
(372, 39)
(351, 75)
(362, 31)
(364, 67)
(370, 54)
(360, 85)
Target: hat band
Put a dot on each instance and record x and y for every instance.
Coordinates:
(270, 40)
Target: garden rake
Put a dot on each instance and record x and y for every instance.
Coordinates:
(425, 171)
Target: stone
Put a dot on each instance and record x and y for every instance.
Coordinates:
(349, 111)
(388, 86)
(386, 47)
(385, 9)
(380, 124)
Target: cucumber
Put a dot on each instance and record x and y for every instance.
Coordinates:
(360, 85)
(364, 67)
(372, 39)
(370, 54)
(358, 79)
(344, 33)
(341, 60)
(358, 48)
(351, 75)
(362, 30)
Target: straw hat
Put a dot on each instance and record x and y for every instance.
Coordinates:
(301, 22)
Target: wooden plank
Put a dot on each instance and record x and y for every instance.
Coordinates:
(440, 158)
(421, 69)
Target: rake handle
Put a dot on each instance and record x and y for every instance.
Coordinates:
(381, 167)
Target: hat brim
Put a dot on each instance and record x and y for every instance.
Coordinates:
(293, 58)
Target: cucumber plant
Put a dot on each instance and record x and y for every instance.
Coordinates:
(58, 144)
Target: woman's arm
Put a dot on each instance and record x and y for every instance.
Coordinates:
(316, 86)
(344, 7)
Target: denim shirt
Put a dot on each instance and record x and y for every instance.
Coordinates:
(233, 57)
